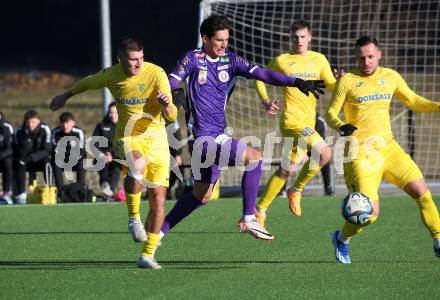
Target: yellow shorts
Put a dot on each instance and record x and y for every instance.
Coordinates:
(305, 138)
(392, 163)
(155, 152)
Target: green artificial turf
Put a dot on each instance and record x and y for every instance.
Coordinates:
(85, 251)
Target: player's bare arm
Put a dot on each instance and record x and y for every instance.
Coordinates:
(167, 106)
(272, 106)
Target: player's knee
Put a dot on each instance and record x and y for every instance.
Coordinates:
(326, 155)
(252, 155)
(283, 173)
(416, 189)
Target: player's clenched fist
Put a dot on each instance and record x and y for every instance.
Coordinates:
(163, 98)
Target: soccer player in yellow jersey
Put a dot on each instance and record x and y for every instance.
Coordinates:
(143, 98)
(298, 118)
(365, 94)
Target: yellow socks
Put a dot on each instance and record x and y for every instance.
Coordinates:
(304, 176)
(151, 243)
(429, 214)
(273, 187)
(349, 230)
(133, 204)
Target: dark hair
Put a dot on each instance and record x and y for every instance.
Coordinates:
(130, 43)
(66, 116)
(365, 40)
(113, 103)
(212, 24)
(30, 114)
(300, 24)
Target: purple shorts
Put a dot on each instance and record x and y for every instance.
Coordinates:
(209, 154)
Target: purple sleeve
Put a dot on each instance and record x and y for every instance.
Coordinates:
(244, 68)
(183, 68)
(174, 82)
(271, 77)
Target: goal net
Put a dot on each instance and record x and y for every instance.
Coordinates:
(408, 31)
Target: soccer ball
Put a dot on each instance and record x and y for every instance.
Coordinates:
(356, 208)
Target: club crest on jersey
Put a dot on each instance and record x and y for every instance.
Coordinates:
(141, 86)
(203, 74)
(223, 76)
(382, 82)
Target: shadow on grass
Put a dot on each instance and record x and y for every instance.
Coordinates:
(63, 265)
(168, 264)
(108, 232)
(62, 232)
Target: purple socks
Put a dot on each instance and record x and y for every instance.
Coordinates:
(249, 187)
(184, 207)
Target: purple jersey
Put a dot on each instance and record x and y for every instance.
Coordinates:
(210, 83)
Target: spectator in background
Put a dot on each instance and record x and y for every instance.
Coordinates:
(6, 159)
(174, 134)
(110, 174)
(69, 129)
(32, 150)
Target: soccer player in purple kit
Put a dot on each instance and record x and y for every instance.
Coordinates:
(210, 74)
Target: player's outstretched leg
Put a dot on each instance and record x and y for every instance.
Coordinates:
(154, 223)
(137, 230)
(249, 185)
(261, 216)
(273, 187)
(340, 239)
(135, 225)
(146, 259)
(148, 262)
(430, 218)
(183, 208)
(308, 171)
(254, 228)
(341, 248)
(294, 198)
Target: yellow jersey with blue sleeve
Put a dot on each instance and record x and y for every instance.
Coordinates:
(299, 109)
(366, 102)
(139, 112)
